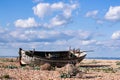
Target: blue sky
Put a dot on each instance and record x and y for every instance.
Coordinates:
(59, 24)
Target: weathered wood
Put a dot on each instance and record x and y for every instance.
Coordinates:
(55, 58)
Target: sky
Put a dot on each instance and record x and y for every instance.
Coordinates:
(60, 24)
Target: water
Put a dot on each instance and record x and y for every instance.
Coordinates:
(8, 56)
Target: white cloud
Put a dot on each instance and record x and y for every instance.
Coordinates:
(48, 36)
(57, 6)
(113, 13)
(67, 12)
(58, 20)
(35, 36)
(85, 35)
(43, 39)
(91, 13)
(43, 9)
(22, 36)
(60, 13)
(88, 42)
(62, 16)
(109, 44)
(26, 23)
(60, 42)
(116, 35)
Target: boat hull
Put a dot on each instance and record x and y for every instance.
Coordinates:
(54, 58)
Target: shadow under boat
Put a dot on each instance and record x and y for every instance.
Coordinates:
(54, 58)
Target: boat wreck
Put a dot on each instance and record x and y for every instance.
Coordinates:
(54, 58)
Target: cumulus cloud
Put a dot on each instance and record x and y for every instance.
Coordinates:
(88, 42)
(57, 6)
(84, 35)
(60, 12)
(43, 9)
(26, 23)
(3, 35)
(48, 36)
(92, 13)
(109, 44)
(113, 14)
(58, 20)
(116, 35)
(35, 36)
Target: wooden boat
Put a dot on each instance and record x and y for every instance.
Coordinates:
(54, 58)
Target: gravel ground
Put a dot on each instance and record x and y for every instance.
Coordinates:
(16, 72)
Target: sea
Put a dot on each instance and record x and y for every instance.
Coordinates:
(103, 58)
